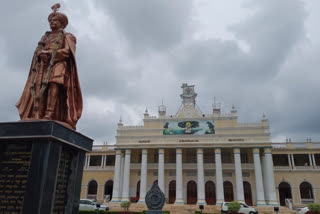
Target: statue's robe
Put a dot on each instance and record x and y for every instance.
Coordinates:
(64, 73)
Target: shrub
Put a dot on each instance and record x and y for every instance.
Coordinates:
(314, 207)
(125, 205)
(233, 207)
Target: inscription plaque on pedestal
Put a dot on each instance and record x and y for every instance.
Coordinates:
(14, 166)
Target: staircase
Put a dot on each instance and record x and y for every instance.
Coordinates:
(190, 208)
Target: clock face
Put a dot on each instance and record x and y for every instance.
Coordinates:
(188, 90)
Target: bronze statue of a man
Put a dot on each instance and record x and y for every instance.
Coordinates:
(52, 91)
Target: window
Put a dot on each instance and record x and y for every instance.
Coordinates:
(301, 159)
(226, 157)
(209, 173)
(306, 190)
(280, 160)
(246, 174)
(172, 173)
(95, 160)
(172, 156)
(155, 156)
(208, 156)
(190, 156)
(244, 158)
(110, 160)
(227, 174)
(92, 187)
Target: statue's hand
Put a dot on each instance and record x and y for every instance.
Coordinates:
(44, 55)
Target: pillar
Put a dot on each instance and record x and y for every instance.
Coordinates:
(201, 190)
(292, 162)
(269, 179)
(161, 170)
(239, 179)
(219, 178)
(258, 177)
(121, 174)
(143, 176)
(126, 176)
(116, 179)
(310, 161)
(289, 160)
(179, 186)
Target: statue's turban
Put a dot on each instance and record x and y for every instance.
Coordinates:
(63, 19)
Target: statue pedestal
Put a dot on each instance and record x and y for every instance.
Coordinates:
(41, 166)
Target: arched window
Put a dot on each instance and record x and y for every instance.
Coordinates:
(92, 189)
(210, 191)
(228, 191)
(137, 192)
(306, 190)
(172, 192)
(191, 192)
(247, 193)
(284, 192)
(108, 188)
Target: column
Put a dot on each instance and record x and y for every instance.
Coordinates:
(179, 187)
(264, 175)
(161, 170)
(116, 179)
(102, 160)
(88, 161)
(126, 176)
(269, 179)
(314, 161)
(121, 174)
(143, 176)
(289, 160)
(219, 178)
(310, 161)
(239, 180)
(292, 161)
(201, 191)
(258, 176)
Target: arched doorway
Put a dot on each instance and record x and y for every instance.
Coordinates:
(191, 192)
(228, 191)
(172, 192)
(306, 192)
(137, 193)
(92, 190)
(108, 188)
(284, 192)
(247, 193)
(210, 190)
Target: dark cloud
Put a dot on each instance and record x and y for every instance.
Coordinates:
(133, 54)
(151, 24)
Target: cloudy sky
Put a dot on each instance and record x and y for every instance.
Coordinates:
(262, 56)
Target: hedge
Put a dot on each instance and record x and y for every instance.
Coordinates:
(114, 212)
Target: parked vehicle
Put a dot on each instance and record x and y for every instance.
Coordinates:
(87, 204)
(244, 208)
(302, 210)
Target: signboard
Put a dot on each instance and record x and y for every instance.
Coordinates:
(191, 127)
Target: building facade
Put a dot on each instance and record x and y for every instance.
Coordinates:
(201, 158)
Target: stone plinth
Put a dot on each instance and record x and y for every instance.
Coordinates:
(41, 167)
